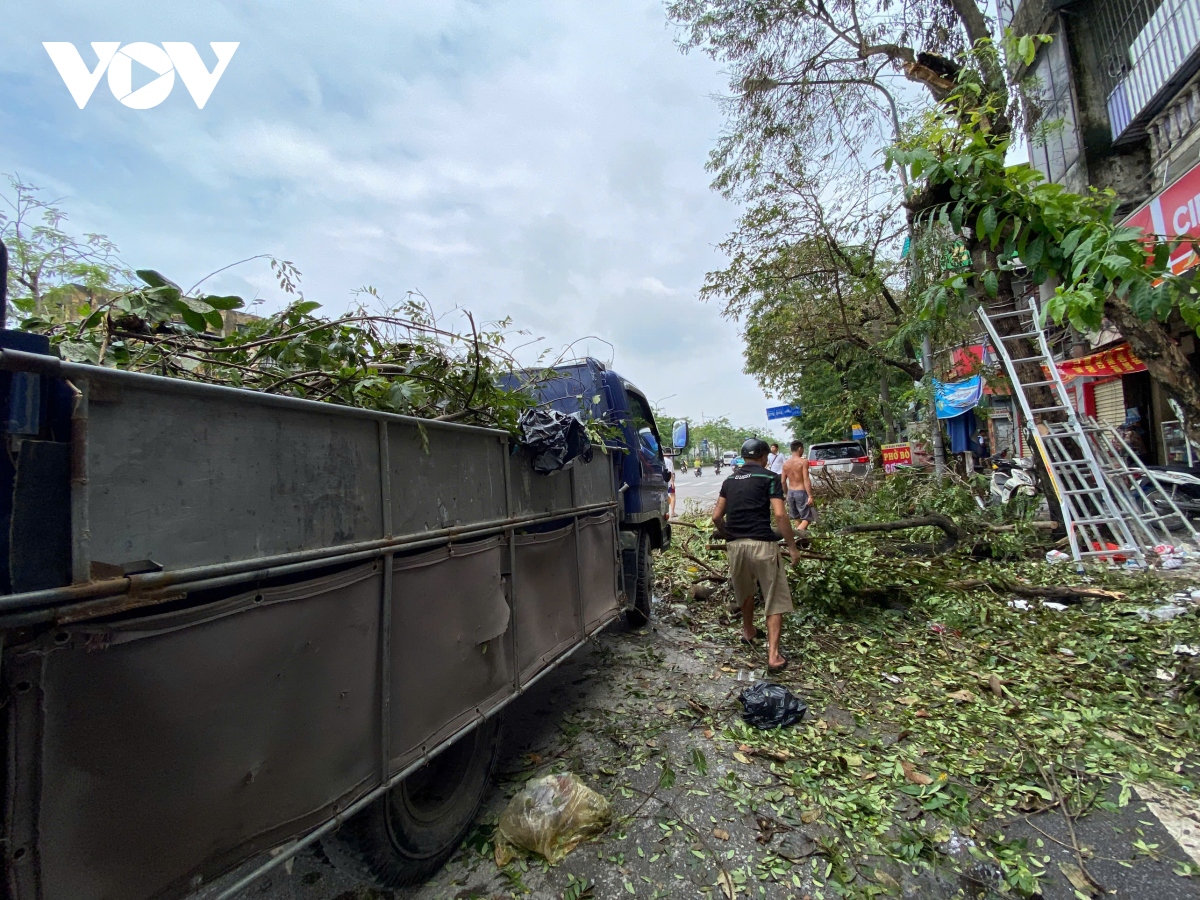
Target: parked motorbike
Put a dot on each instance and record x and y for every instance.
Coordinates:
(1011, 478)
(1176, 483)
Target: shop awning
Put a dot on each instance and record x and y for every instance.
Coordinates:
(1117, 360)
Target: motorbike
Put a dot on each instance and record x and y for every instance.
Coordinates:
(1011, 478)
(717, 467)
(1175, 483)
(699, 471)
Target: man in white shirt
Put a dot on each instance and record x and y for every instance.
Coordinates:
(775, 460)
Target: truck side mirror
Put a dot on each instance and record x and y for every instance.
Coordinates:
(679, 435)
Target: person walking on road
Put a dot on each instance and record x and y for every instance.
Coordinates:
(775, 460)
(798, 482)
(743, 516)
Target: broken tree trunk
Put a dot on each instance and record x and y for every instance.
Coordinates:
(935, 520)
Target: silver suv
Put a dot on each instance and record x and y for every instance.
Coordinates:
(840, 458)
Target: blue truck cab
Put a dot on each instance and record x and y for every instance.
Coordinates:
(590, 389)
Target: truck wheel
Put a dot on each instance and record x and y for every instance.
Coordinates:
(639, 613)
(406, 835)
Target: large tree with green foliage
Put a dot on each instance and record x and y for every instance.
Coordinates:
(48, 267)
(810, 98)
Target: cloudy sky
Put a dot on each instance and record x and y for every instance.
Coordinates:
(537, 159)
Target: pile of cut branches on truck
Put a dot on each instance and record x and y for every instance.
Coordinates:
(394, 358)
(400, 359)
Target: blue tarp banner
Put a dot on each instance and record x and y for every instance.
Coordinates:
(956, 398)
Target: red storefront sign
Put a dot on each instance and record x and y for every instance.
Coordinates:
(1117, 361)
(896, 455)
(1174, 213)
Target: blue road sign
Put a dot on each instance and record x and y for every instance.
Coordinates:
(783, 412)
(857, 433)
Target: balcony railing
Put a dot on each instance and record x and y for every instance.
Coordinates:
(1160, 59)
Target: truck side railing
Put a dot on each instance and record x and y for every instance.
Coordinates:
(263, 613)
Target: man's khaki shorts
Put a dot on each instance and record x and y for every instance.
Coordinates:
(761, 563)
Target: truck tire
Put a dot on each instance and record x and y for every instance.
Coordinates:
(639, 612)
(406, 835)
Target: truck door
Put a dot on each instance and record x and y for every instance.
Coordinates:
(648, 450)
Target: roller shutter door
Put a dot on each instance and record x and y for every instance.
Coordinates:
(1110, 402)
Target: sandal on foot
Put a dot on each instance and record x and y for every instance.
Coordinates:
(758, 636)
(771, 670)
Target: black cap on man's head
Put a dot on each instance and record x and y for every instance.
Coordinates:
(755, 449)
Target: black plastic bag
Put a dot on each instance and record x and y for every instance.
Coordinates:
(554, 438)
(767, 705)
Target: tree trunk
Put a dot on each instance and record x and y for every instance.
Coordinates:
(1152, 343)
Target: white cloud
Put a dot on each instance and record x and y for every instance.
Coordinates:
(533, 159)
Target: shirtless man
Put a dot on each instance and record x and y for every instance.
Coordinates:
(798, 484)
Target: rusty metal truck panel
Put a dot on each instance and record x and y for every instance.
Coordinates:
(444, 478)
(172, 746)
(597, 571)
(274, 609)
(451, 648)
(163, 467)
(547, 597)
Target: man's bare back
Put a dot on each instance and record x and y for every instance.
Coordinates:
(795, 474)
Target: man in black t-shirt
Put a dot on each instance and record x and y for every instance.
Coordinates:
(743, 516)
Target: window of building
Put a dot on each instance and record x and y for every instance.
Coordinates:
(1054, 130)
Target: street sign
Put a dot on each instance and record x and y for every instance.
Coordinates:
(783, 412)
(856, 432)
(896, 455)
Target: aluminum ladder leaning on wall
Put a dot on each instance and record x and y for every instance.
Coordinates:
(1094, 471)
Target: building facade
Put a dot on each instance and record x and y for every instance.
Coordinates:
(1113, 101)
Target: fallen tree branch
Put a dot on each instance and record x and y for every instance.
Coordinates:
(1063, 594)
(1045, 525)
(807, 554)
(935, 520)
(702, 564)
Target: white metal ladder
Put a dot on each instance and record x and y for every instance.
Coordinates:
(1090, 504)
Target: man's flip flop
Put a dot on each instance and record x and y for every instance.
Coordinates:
(771, 670)
(758, 636)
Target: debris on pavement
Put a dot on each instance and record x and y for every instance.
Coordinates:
(550, 816)
(767, 705)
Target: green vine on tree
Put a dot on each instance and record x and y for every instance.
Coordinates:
(961, 183)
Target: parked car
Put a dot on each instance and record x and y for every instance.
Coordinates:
(840, 458)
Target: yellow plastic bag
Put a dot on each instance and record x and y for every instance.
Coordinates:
(550, 816)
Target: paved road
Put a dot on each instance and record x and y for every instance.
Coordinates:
(701, 491)
(618, 710)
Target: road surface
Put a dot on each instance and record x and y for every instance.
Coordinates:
(700, 491)
(619, 712)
